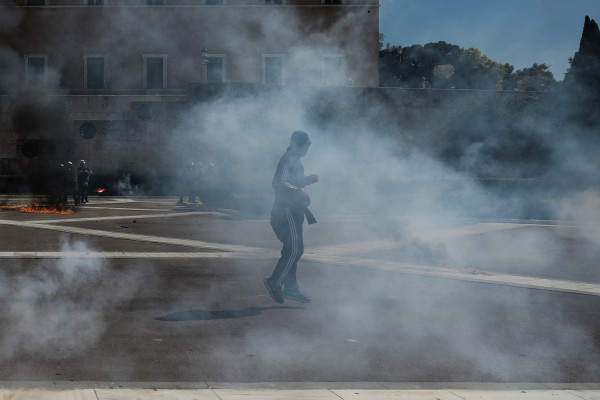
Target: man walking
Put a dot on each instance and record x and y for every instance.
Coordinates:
(287, 216)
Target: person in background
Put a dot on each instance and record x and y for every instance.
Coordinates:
(83, 181)
(425, 83)
(71, 183)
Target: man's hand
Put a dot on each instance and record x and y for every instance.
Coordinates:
(315, 178)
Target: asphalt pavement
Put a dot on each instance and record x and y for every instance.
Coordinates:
(142, 298)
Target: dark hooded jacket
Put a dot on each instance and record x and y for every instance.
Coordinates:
(289, 180)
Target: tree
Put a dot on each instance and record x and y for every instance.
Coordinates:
(443, 64)
(538, 77)
(477, 71)
(583, 75)
(381, 38)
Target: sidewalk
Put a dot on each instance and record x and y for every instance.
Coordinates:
(478, 391)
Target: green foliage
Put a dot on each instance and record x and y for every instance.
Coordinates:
(446, 65)
(478, 71)
(583, 76)
(514, 127)
(538, 78)
(381, 38)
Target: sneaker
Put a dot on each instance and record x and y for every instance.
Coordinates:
(274, 292)
(295, 295)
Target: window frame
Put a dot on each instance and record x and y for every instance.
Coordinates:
(145, 70)
(282, 56)
(341, 74)
(223, 58)
(44, 76)
(85, 70)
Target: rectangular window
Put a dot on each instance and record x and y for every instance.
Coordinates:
(273, 72)
(155, 2)
(95, 2)
(333, 70)
(155, 71)
(332, 1)
(216, 68)
(213, 2)
(36, 2)
(273, 2)
(94, 72)
(35, 70)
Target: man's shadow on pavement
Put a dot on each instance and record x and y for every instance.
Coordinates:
(204, 315)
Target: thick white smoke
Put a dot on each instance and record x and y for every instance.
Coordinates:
(366, 169)
(56, 307)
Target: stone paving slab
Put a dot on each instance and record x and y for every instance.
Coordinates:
(151, 394)
(39, 394)
(293, 394)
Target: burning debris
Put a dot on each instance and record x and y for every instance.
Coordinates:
(42, 209)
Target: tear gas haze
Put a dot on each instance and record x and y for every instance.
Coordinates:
(443, 161)
(55, 306)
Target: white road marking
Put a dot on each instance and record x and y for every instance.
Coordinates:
(136, 237)
(340, 255)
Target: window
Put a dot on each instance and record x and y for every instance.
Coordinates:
(216, 68)
(94, 72)
(332, 1)
(155, 71)
(333, 70)
(88, 130)
(213, 2)
(273, 2)
(273, 72)
(94, 2)
(155, 2)
(35, 70)
(36, 2)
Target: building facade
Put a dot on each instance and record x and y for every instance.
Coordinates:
(158, 45)
(108, 80)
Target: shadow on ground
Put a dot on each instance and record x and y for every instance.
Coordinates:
(204, 315)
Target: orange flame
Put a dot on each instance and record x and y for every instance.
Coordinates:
(100, 190)
(33, 207)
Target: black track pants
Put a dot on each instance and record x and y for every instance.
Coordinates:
(287, 223)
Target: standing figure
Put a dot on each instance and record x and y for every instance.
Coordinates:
(188, 183)
(83, 180)
(287, 216)
(193, 182)
(71, 183)
(425, 83)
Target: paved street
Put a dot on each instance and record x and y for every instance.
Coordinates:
(139, 292)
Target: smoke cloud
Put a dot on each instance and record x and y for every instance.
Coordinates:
(55, 306)
(410, 169)
(496, 156)
(407, 186)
